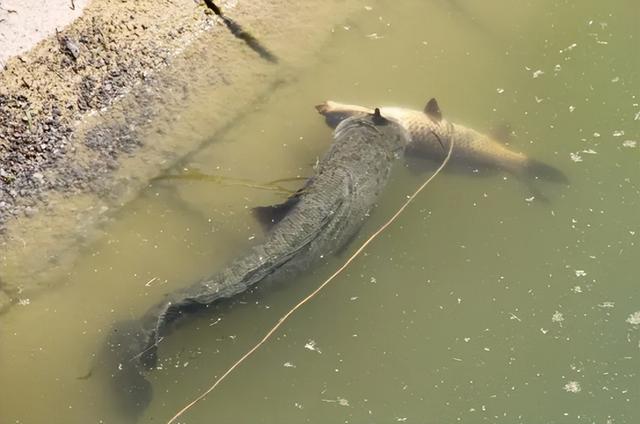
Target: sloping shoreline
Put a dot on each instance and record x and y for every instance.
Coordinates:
(91, 114)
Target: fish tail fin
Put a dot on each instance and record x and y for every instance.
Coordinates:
(537, 169)
(335, 112)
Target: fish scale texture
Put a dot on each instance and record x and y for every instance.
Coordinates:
(331, 208)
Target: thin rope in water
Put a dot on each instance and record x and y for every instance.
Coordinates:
(316, 291)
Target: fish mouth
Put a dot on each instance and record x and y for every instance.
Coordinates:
(322, 108)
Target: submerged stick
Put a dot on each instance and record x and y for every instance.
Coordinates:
(239, 32)
(316, 291)
(219, 179)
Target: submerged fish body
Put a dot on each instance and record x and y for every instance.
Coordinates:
(430, 135)
(316, 221)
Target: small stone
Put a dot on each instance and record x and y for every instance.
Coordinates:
(30, 211)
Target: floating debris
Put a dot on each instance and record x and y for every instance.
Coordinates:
(500, 90)
(557, 317)
(572, 387)
(634, 318)
(569, 48)
(537, 73)
(288, 365)
(580, 273)
(340, 401)
(311, 345)
(629, 143)
(575, 157)
(607, 304)
(618, 133)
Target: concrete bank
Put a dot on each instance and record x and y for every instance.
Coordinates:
(92, 113)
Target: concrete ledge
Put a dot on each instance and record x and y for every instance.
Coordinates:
(89, 115)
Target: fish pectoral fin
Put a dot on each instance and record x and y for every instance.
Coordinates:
(432, 109)
(268, 216)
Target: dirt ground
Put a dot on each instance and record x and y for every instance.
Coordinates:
(76, 111)
(24, 23)
(113, 46)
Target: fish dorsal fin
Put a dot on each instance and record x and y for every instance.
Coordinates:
(378, 119)
(432, 109)
(268, 216)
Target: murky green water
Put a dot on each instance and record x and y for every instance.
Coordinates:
(477, 306)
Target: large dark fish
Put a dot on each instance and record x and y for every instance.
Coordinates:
(430, 135)
(314, 222)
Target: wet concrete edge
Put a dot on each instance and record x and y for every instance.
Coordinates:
(73, 109)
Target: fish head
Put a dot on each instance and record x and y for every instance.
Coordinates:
(334, 113)
(391, 134)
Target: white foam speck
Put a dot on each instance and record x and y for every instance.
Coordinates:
(311, 345)
(634, 318)
(572, 387)
(557, 317)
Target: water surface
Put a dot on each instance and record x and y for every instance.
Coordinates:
(480, 305)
